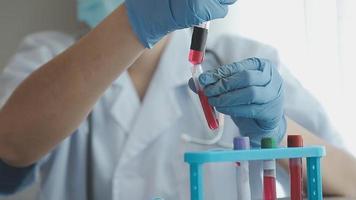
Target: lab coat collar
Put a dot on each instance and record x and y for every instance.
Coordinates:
(160, 109)
(124, 101)
(173, 70)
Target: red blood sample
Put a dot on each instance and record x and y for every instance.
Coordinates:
(269, 188)
(295, 167)
(196, 57)
(209, 112)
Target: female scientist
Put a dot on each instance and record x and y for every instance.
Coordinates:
(102, 117)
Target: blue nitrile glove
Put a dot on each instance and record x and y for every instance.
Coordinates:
(153, 19)
(251, 92)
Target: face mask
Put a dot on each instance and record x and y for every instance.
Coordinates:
(93, 12)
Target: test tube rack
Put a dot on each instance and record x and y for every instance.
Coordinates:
(313, 154)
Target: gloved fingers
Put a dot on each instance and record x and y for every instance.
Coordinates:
(227, 2)
(244, 111)
(191, 85)
(212, 76)
(248, 95)
(209, 9)
(240, 80)
(261, 112)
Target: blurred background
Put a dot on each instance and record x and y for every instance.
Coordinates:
(19, 18)
(315, 39)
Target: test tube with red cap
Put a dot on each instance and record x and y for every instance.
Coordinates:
(198, 43)
(269, 172)
(196, 56)
(296, 169)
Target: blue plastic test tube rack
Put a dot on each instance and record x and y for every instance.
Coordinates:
(312, 154)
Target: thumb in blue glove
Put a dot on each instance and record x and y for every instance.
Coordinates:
(251, 92)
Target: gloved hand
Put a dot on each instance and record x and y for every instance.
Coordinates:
(153, 19)
(251, 92)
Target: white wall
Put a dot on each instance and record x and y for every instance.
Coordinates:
(21, 17)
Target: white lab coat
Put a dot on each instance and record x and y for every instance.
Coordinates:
(137, 147)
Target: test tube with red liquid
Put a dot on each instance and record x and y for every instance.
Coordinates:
(269, 172)
(209, 111)
(196, 56)
(296, 169)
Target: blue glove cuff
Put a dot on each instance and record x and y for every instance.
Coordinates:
(146, 31)
(135, 25)
(256, 133)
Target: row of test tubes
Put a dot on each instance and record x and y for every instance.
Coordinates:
(269, 170)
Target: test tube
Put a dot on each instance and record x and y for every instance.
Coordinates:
(269, 172)
(209, 111)
(242, 170)
(296, 169)
(196, 56)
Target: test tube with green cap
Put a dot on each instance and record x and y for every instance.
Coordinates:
(269, 171)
